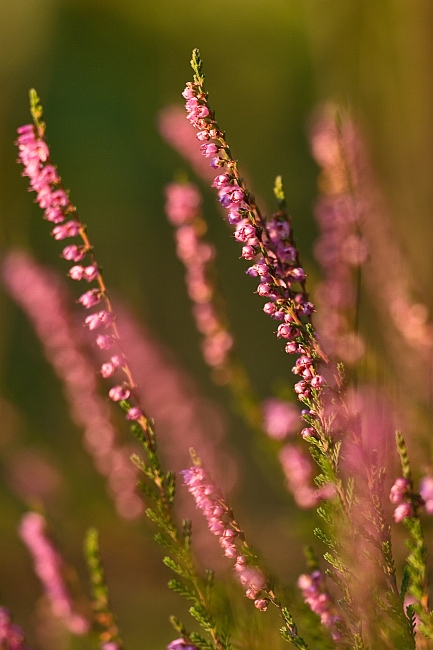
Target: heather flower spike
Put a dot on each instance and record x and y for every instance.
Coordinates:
(222, 523)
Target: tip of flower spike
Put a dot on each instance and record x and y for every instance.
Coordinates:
(36, 110)
(279, 193)
(197, 65)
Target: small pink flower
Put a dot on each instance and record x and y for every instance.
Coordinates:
(403, 511)
(90, 273)
(317, 381)
(76, 272)
(55, 215)
(90, 298)
(119, 393)
(105, 342)
(248, 252)
(74, 253)
(261, 604)
(68, 229)
(134, 413)
(99, 319)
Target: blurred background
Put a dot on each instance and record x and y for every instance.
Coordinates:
(104, 70)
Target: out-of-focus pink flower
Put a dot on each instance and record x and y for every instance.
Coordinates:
(315, 595)
(299, 473)
(178, 133)
(426, 491)
(49, 568)
(280, 418)
(43, 297)
(11, 636)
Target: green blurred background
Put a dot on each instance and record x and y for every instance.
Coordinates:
(104, 68)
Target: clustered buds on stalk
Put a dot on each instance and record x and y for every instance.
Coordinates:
(34, 154)
(406, 500)
(314, 593)
(183, 211)
(221, 523)
(48, 567)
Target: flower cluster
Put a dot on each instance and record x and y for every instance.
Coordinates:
(34, 154)
(183, 210)
(313, 591)
(221, 523)
(407, 501)
(11, 636)
(341, 249)
(49, 567)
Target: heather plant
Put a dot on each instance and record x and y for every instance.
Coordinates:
(355, 596)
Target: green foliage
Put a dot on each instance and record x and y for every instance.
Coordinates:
(279, 193)
(104, 618)
(36, 111)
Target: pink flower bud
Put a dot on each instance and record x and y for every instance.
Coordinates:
(74, 253)
(403, 511)
(248, 252)
(68, 229)
(134, 413)
(76, 272)
(261, 604)
(317, 381)
(55, 215)
(105, 342)
(202, 136)
(119, 393)
(90, 298)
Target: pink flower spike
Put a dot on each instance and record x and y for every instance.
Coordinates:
(134, 413)
(105, 342)
(90, 298)
(119, 393)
